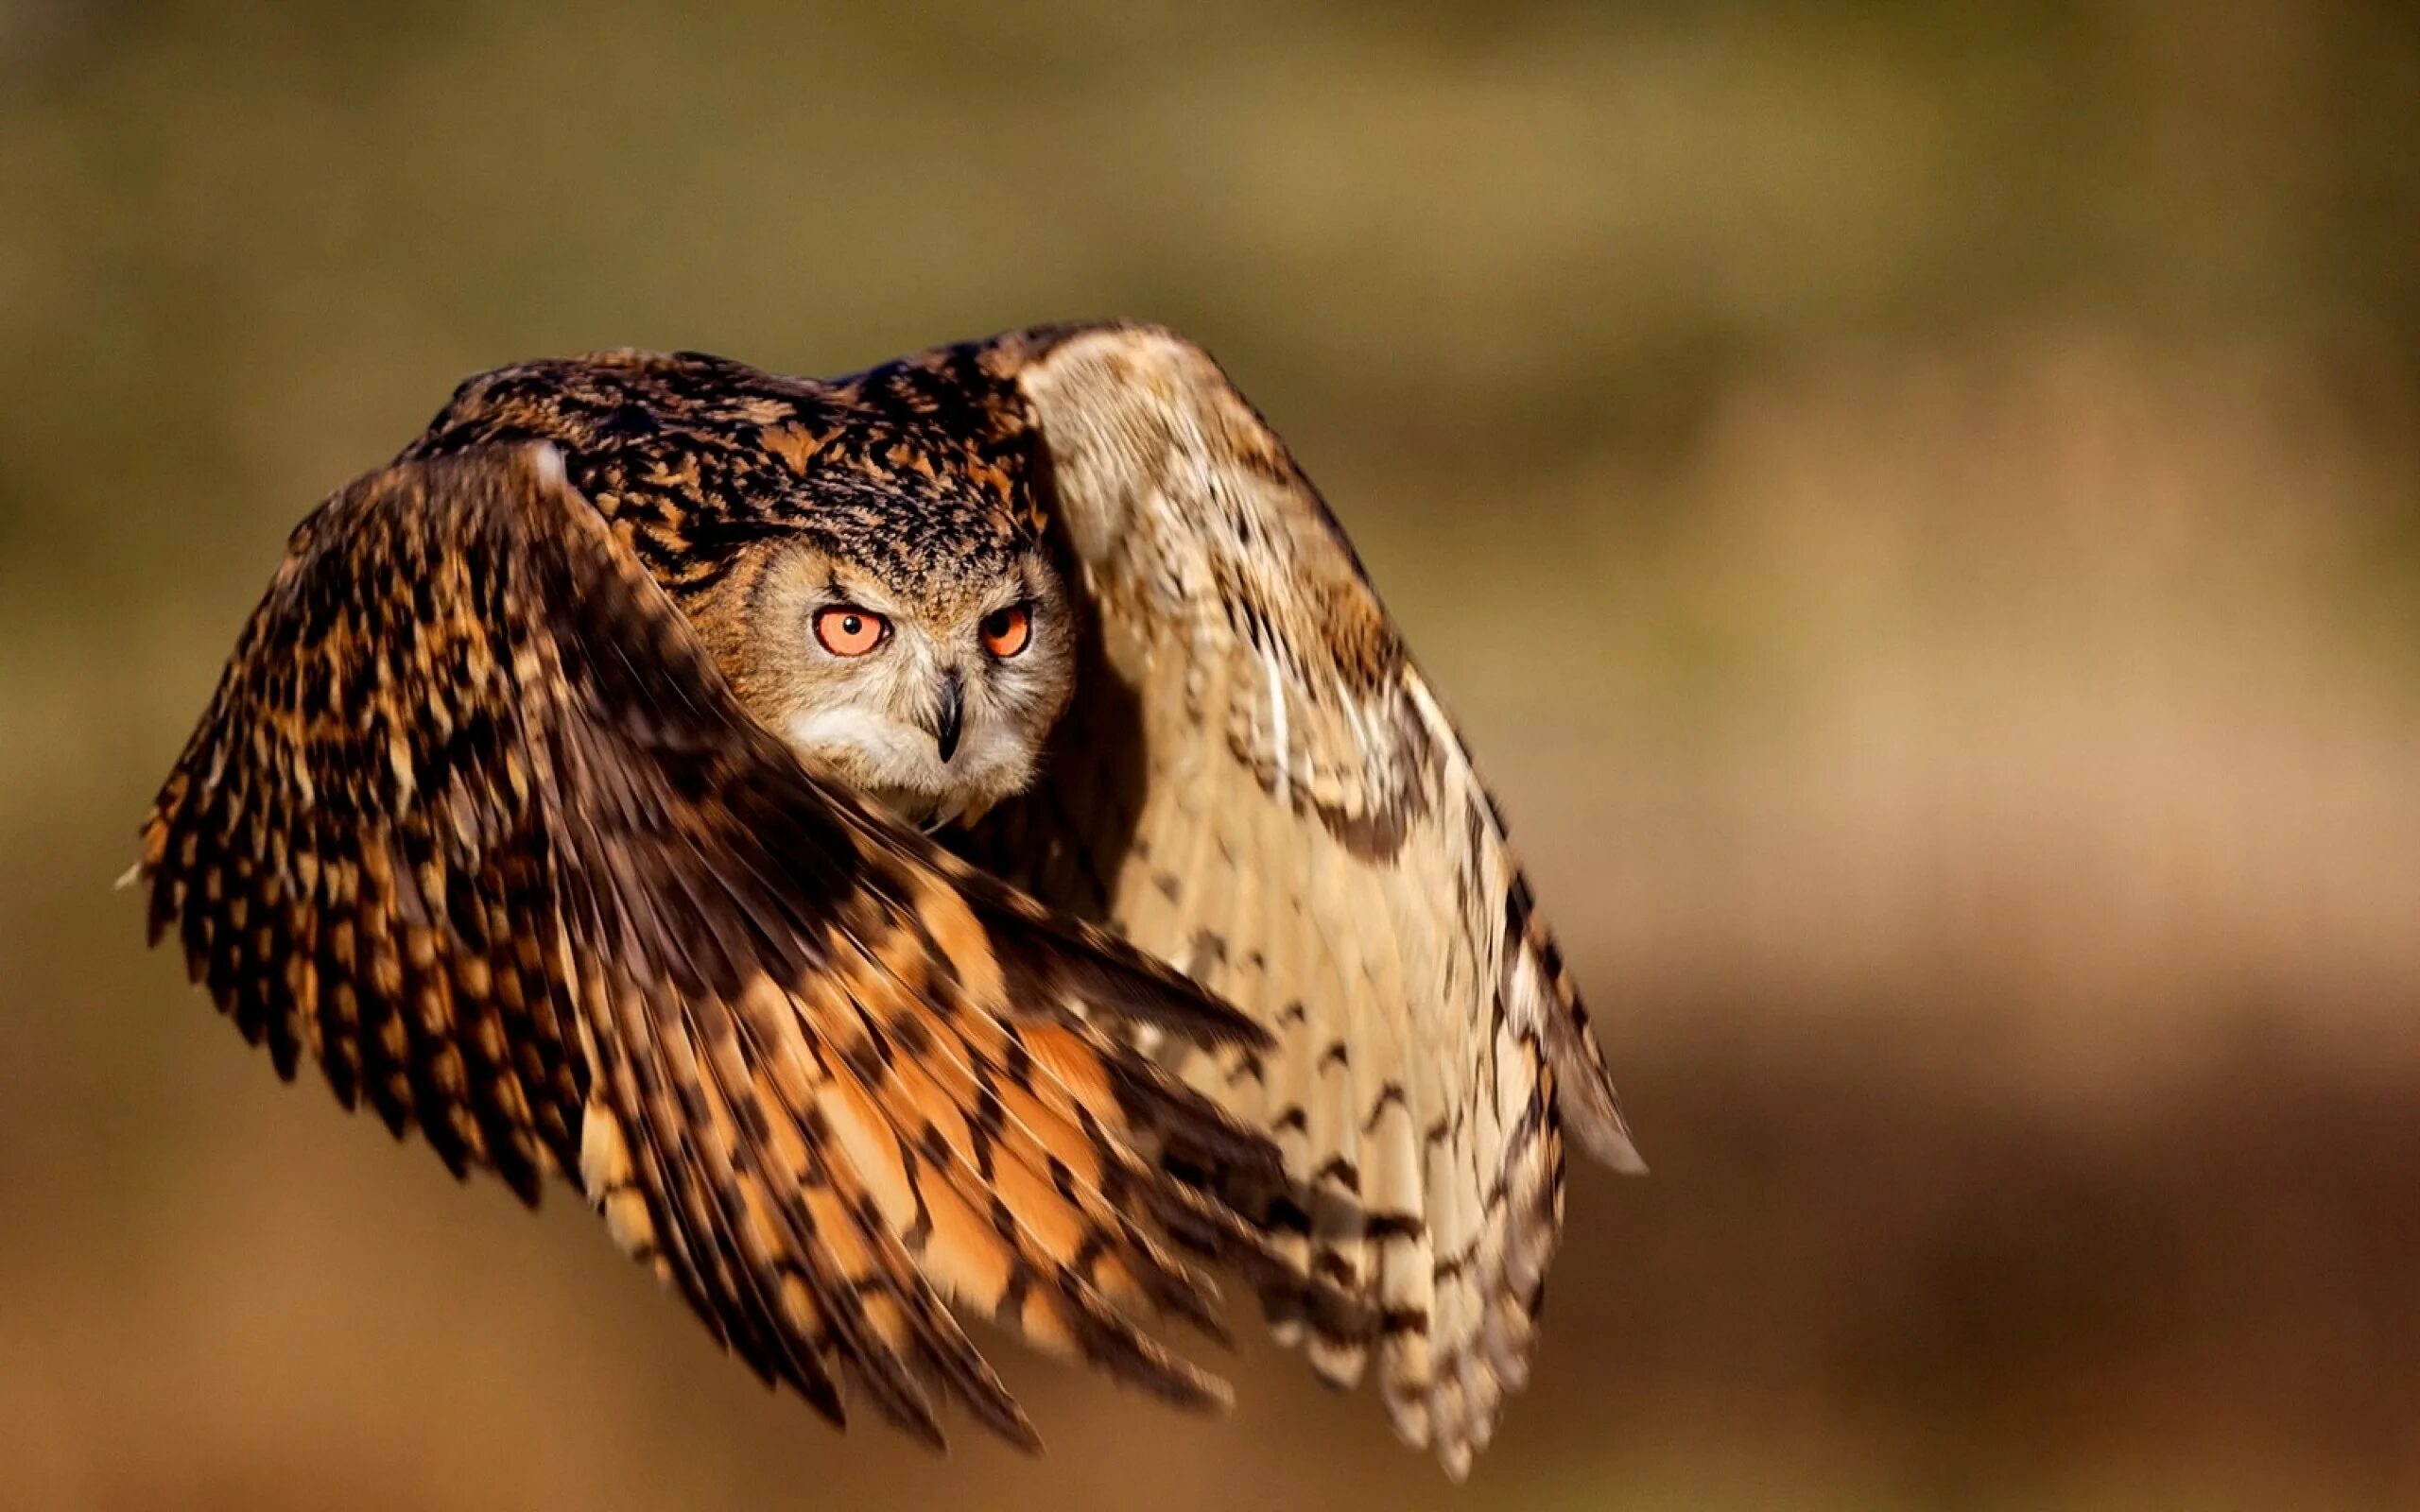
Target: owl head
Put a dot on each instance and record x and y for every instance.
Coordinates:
(925, 669)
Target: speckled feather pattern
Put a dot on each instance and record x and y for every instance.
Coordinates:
(480, 821)
(1257, 784)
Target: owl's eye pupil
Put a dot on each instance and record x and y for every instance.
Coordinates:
(851, 625)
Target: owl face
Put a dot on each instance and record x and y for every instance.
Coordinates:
(930, 691)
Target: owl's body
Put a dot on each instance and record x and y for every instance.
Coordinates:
(552, 847)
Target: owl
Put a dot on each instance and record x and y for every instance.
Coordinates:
(962, 838)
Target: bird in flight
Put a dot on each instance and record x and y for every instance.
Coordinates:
(963, 836)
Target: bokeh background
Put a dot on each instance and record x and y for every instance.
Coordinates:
(1919, 513)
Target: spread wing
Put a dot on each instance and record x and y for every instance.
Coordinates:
(1256, 785)
(473, 822)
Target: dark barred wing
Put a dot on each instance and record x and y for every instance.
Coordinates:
(473, 822)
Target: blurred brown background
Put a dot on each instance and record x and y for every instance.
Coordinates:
(1920, 515)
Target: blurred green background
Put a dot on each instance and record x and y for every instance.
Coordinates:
(1919, 513)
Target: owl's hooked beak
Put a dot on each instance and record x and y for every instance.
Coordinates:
(952, 712)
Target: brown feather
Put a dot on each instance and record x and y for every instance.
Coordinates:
(1296, 823)
(475, 819)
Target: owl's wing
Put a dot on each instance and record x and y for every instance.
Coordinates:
(1255, 784)
(475, 822)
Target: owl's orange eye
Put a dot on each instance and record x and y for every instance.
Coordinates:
(1007, 632)
(847, 631)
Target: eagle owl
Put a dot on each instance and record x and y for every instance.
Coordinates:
(964, 836)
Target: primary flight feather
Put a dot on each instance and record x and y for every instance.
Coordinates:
(567, 798)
